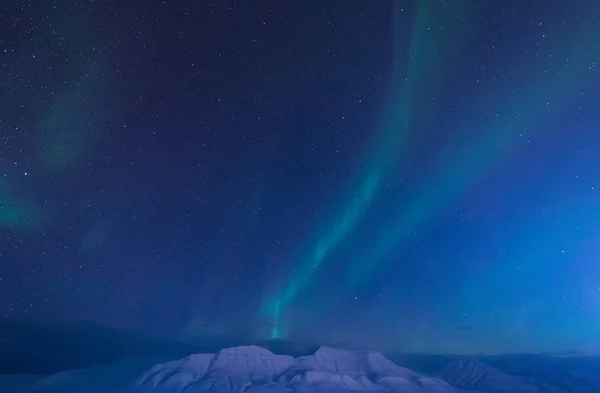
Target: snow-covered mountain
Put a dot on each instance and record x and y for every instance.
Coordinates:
(255, 369)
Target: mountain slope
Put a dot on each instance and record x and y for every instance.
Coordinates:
(473, 375)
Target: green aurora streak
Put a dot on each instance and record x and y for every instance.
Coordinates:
(505, 132)
(17, 214)
(423, 65)
(70, 126)
(63, 138)
(10, 215)
(69, 121)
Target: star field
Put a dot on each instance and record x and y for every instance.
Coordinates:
(415, 175)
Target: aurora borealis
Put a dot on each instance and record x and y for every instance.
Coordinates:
(418, 175)
(425, 49)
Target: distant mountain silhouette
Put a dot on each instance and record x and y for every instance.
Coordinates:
(471, 374)
(422, 363)
(570, 373)
(34, 348)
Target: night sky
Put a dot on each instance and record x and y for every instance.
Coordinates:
(418, 175)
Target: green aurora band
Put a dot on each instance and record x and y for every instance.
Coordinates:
(10, 215)
(71, 128)
(562, 77)
(68, 120)
(422, 70)
(18, 215)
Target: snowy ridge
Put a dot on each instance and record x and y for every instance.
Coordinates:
(356, 363)
(253, 369)
(473, 375)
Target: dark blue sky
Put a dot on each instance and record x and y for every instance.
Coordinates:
(418, 175)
